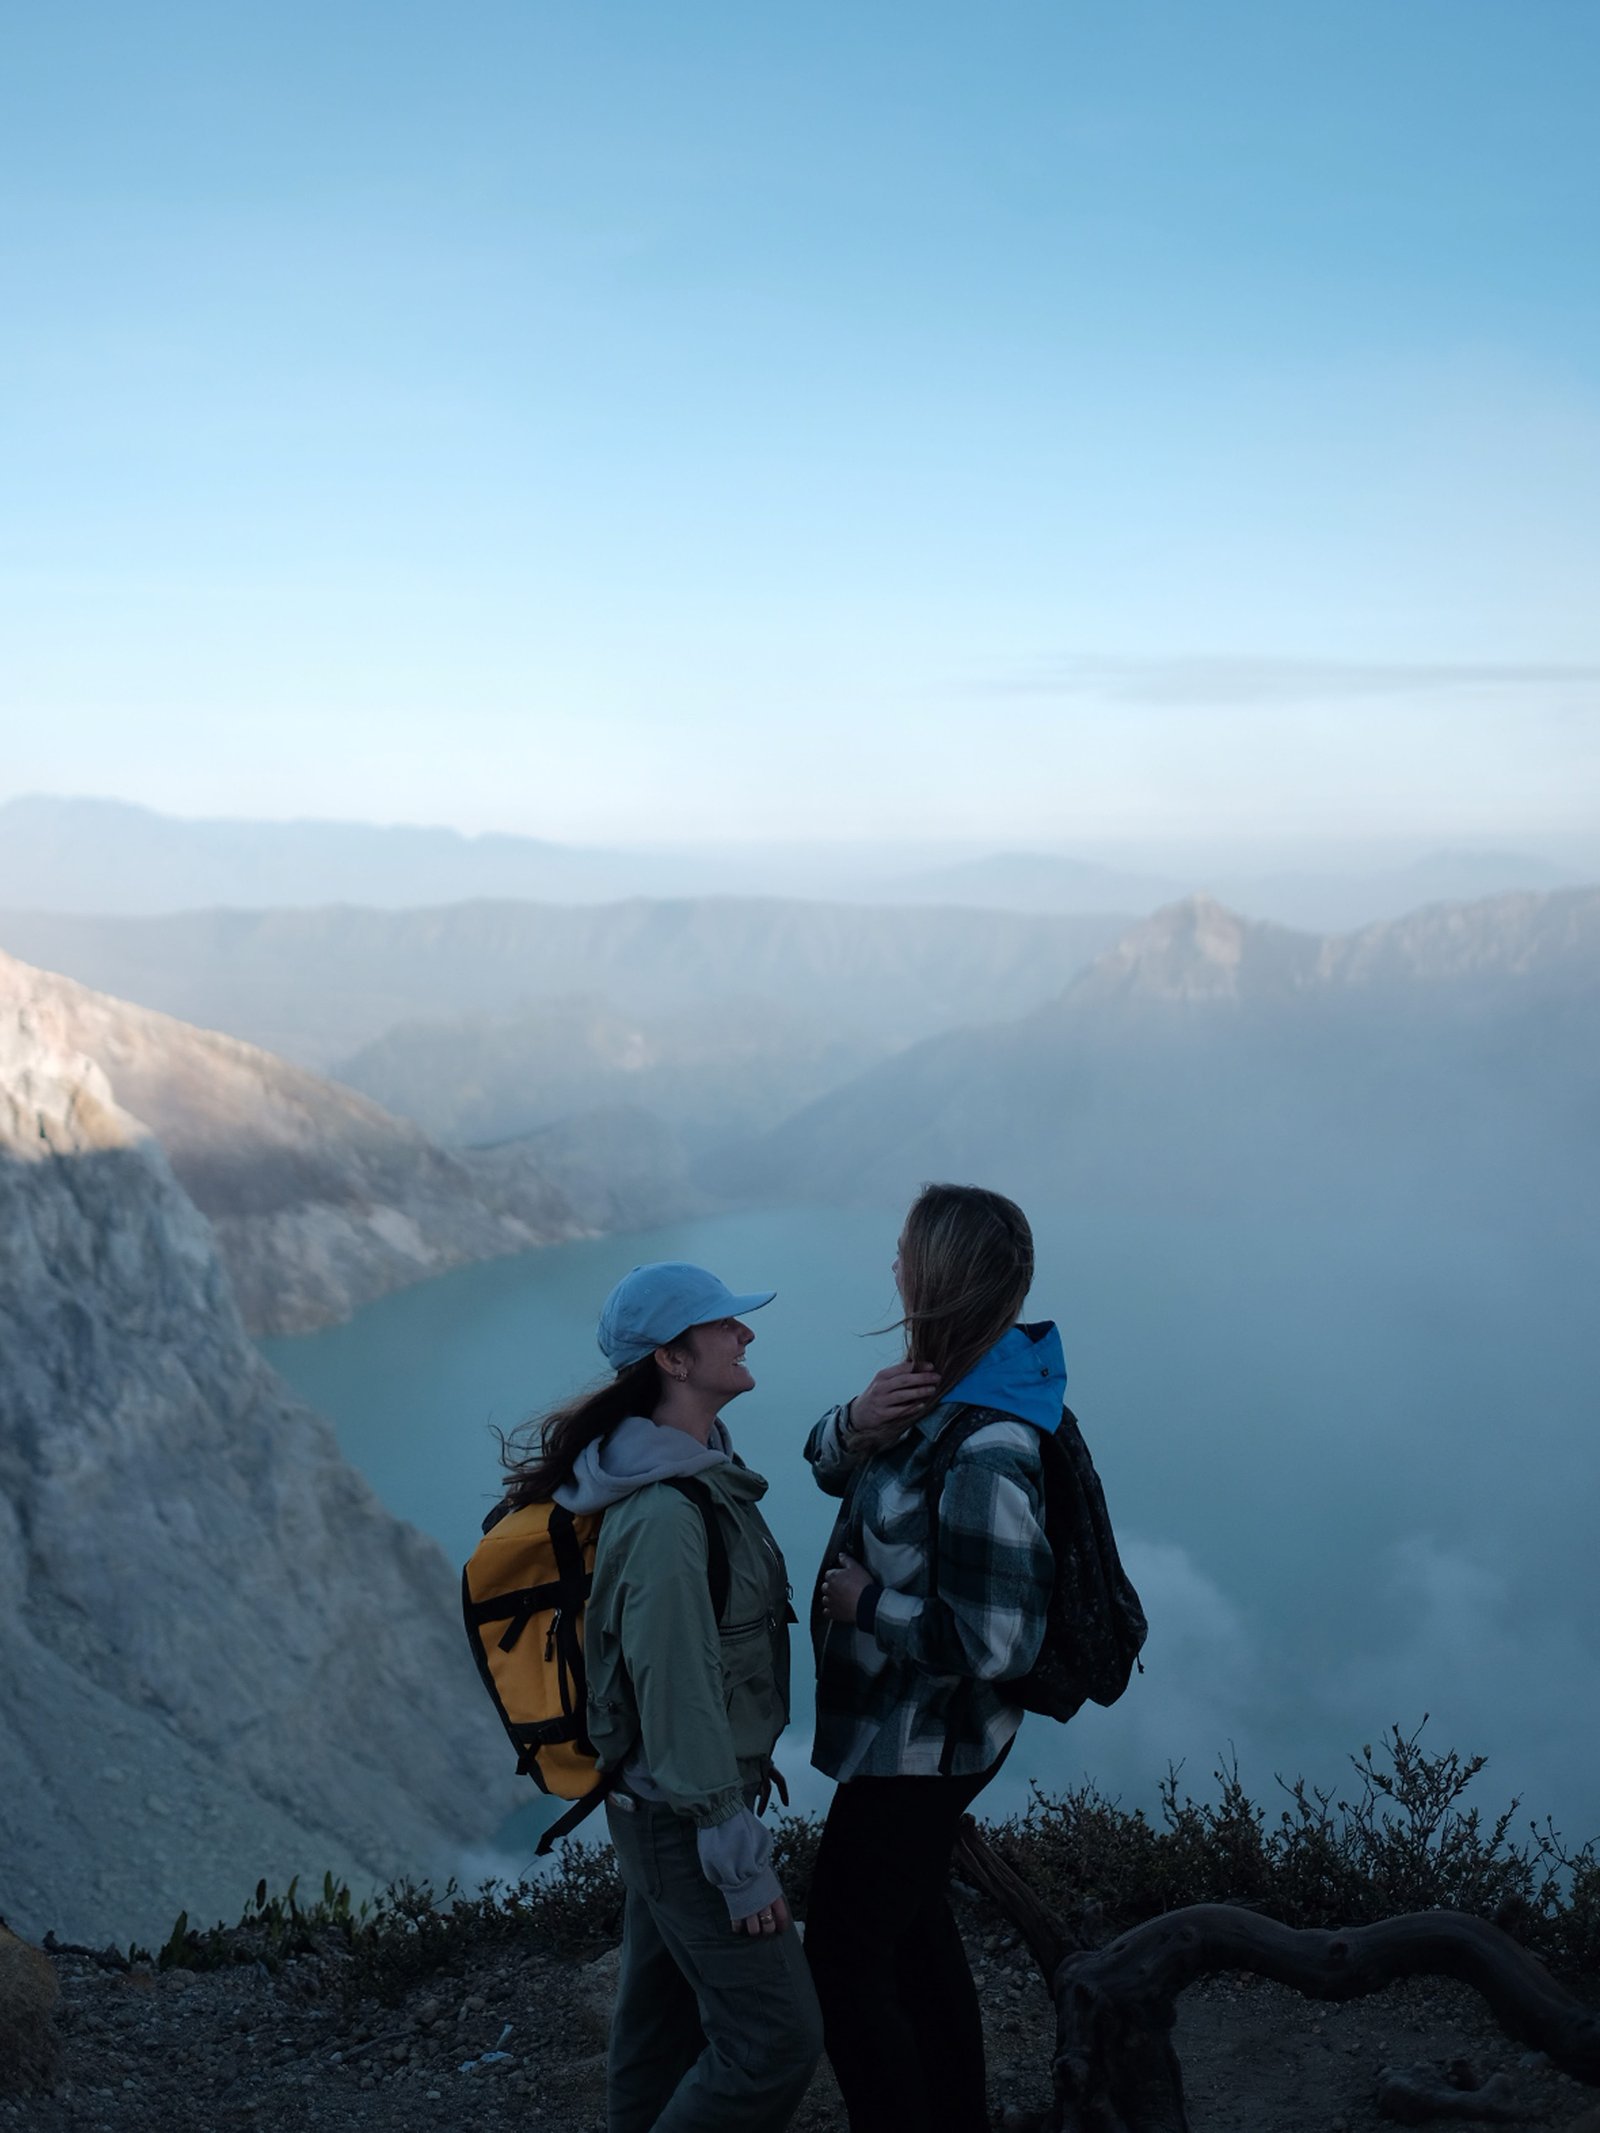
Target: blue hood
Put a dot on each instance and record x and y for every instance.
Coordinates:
(1024, 1374)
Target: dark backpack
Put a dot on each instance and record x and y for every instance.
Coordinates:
(1096, 1626)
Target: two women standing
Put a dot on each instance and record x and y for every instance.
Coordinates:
(932, 1597)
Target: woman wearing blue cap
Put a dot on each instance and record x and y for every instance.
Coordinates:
(716, 2022)
(914, 1641)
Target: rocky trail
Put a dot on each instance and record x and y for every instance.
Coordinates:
(508, 2034)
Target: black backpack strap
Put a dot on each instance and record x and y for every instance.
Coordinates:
(718, 1569)
(565, 1824)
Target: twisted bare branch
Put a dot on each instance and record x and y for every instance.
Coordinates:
(1158, 1959)
(1115, 2069)
(1048, 1940)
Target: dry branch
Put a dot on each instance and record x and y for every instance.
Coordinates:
(1157, 1959)
(1048, 1940)
(1115, 2069)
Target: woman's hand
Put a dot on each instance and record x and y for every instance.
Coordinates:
(895, 1399)
(842, 1588)
(774, 1918)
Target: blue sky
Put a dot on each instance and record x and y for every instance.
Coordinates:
(1043, 423)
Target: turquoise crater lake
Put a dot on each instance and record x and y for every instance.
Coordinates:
(1351, 1474)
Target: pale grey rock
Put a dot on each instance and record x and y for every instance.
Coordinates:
(319, 1200)
(1198, 952)
(219, 1656)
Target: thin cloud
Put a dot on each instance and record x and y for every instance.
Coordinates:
(1206, 682)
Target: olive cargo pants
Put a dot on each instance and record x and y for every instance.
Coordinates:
(714, 2031)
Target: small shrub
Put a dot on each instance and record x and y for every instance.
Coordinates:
(1403, 1841)
(408, 1931)
(794, 1856)
(270, 1930)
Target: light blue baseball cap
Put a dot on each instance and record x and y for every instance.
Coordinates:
(655, 1303)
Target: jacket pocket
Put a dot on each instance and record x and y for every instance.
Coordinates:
(749, 1691)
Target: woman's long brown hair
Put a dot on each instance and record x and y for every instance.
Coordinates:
(966, 1265)
(541, 1455)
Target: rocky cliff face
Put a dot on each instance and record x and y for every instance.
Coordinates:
(319, 1200)
(1198, 953)
(219, 1656)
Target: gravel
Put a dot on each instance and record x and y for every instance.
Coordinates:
(510, 2035)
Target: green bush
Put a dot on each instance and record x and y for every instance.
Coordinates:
(271, 1929)
(1402, 1841)
(409, 1930)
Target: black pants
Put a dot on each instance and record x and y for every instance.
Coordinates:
(899, 2008)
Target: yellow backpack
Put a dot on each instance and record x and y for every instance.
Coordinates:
(523, 1593)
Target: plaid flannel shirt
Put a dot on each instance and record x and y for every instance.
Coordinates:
(892, 1700)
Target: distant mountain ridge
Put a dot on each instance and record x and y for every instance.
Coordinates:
(1209, 1060)
(1321, 901)
(1198, 949)
(1315, 900)
(91, 857)
(707, 1075)
(98, 856)
(315, 986)
(1032, 881)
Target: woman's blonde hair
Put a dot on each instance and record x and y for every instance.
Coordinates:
(966, 1265)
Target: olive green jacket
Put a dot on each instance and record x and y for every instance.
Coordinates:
(704, 1703)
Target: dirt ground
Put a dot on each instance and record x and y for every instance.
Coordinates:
(215, 2051)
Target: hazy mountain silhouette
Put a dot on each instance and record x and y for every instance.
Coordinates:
(1208, 1060)
(315, 986)
(85, 856)
(71, 854)
(1032, 881)
(709, 1076)
(1322, 900)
